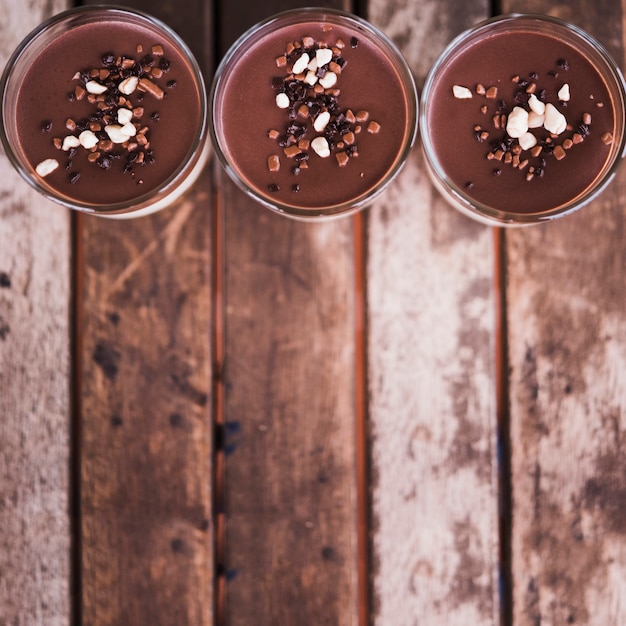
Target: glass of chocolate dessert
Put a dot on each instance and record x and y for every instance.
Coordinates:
(104, 111)
(313, 112)
(522, 120)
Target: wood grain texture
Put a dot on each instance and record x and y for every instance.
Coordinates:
(290, 479)
(431, 378)
(567, 345)
(35, 252)
(146, 378)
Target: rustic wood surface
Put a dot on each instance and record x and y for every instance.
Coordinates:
(290, 479)
(217, 416)
(566, 299)
(431, 347)
(145, 371)
(35, 294)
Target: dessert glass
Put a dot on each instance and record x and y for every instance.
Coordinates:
(264, 44)
(499, 210)
(149, 198)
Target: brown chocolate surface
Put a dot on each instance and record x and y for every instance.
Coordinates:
(43, 97)
(248, 111)
(537, 59)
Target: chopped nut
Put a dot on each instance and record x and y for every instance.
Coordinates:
(115, 133)
(70, 142)
(308, 42)
(567, 144)
(70, 124)
(342, 158)
(320, 146)
(321, 121)
(95, 87)
(291, 151)
(79, 92)
(328, 80)
(527, 141)
(577, 138)
(536, 151)
(323, 56)
(281, 61)
(480, 90)
(536, 105)
(88, 139)
(607, 138)
(301, 63)
(460, 92)
(373, 127)
(349, 138)
(362, 116)
(157, 50)
(517, 123)
(124, 116)
(273, 163)
(492, 93)
(563, 94)
(273, 134)
(559, 153)
(587, 118)
(152, 88)
(282, 100)
(47, 166)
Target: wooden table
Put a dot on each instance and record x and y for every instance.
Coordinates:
(215, 415)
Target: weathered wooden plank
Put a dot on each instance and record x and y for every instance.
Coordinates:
(567, 345)
(431, 378)
(35, 418)
(145, 374)
(290, 480)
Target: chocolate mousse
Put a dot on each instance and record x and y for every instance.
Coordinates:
(314, 114)
(520, 120)
(108, 111)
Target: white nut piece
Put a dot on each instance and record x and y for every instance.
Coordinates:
(88, 139)
(129, 129)
(527, 141)
(300, 65)
(517, 122)
(312, 66)
(128, 85)
(462, 93)
(564, 95)
(282, 100)
(70, 142)
(46, 167)
(321, 121)
(310, 78)
(114, 131)
(323, 56)
(93, 86)
(328, 80)
(535, 120)
(555, 121)
(536, 105)
(124, 116)
(320, 146)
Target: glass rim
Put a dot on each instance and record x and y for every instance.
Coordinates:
(500, 217)
(408, 84)
(197, 150)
